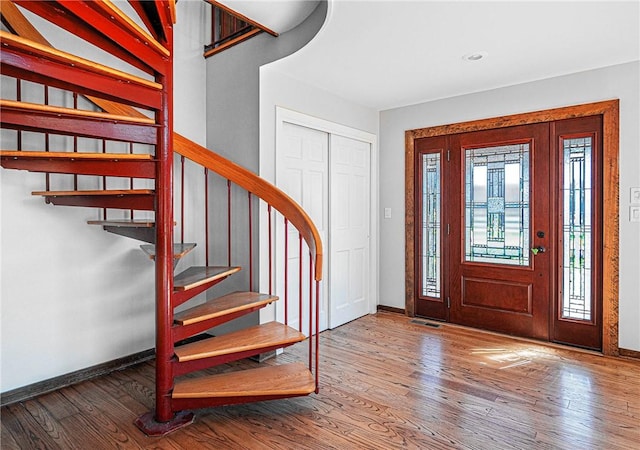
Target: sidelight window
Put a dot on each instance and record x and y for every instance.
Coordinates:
(430, 225)
(576, 229)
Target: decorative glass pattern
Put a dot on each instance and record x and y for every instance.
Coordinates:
(430, 223)
(576, 229)
(497, 204)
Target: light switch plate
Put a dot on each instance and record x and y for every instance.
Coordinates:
(634, 213)
(387, 213)
(635, 195)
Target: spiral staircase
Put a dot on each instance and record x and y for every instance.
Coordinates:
(134, 108)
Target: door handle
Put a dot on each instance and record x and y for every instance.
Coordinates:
(538, 249)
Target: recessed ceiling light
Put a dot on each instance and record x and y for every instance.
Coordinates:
(475, 56)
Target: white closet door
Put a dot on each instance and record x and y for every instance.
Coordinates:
(349, 203)
(302, 172)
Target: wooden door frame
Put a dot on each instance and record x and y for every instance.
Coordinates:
(610, 198)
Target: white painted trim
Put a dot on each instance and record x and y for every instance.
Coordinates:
(305, 120)
(297, 118)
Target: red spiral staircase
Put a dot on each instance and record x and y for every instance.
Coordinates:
(134, 108)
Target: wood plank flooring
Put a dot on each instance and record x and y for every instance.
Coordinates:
(386, 383)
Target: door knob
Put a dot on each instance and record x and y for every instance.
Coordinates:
(538, 249)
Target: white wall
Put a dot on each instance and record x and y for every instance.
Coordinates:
(72, 295)
(616, 82)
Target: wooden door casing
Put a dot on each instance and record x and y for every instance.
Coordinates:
(609, 110)
(475, 288)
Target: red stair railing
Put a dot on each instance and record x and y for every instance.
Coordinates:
(232, 199)
(279, 206)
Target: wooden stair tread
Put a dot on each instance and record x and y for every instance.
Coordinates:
(12, 41)
(119, 192)
(195, 276)
(74, 122)
(74, 155)
(261, 336)
(236, 301)
(136, 223)
(70, 112)
(287, 379)
(81, 163)
(179, 250)
(104, 25)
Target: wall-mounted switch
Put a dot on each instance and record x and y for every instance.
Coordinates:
(634, 213)
(635, 195)
(387, 213)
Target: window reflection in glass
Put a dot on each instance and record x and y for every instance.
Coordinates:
(497, 204)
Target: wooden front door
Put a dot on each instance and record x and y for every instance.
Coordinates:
(508, 232)
(500, 252)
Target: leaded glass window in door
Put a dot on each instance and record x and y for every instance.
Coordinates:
(430, 226)
(497, 204)
(576, 229)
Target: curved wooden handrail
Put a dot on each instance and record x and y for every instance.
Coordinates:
(259, 187)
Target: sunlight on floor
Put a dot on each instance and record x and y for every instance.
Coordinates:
(507, 358)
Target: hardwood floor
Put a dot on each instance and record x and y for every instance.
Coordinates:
(385, 383)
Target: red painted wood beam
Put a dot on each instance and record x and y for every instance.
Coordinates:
(181, 332)
(164, 241)
(155, 15)
(106, 18)
(56, 13)
(30, 117)
(25, 59)
(141, 202)
(182, 368)
(149, 16)
(110, 168)
(179, 297)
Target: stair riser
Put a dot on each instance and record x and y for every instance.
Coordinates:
(182, 332)
(180, 404)
(136, 202)
(132, 169)
(192, 366)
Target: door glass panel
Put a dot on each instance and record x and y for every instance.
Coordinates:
(576, 229)
(430, 224)
(497, 204)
